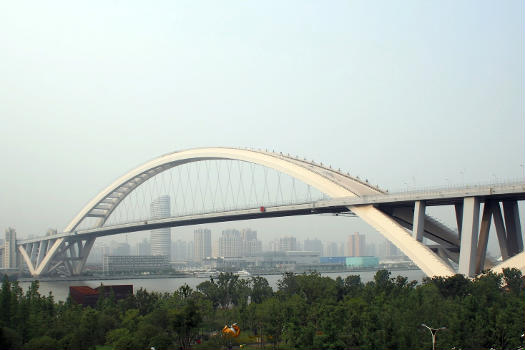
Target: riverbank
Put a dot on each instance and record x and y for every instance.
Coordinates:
(191, 275)
(102, 277)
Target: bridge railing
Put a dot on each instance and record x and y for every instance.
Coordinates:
(458, 186)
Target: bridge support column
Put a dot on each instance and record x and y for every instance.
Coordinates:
(419, 220)
(513, 225)
(500, 230)
(83, 253)
(27, 259)
(42, 250)
(483, 239)
(469, 236)
(459, 216)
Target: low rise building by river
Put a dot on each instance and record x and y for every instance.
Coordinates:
(134, 263)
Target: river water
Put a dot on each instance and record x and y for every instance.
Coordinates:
(60, 289)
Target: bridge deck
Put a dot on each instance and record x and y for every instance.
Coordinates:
(449, 196)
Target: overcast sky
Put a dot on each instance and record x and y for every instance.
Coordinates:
(404, 93)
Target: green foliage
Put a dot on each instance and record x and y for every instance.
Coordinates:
(308, 311)
(185, 322)
(9, 339)
(260, 289)
(5, 302)
(513, 280)
(161, 341)
(271, 319)
(42, 343)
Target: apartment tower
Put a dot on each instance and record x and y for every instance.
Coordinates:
(161, 237)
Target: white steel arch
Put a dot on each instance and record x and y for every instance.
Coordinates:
(333, 183)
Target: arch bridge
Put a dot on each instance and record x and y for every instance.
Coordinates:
(400, 218)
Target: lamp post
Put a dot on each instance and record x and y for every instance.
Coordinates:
(433, 331)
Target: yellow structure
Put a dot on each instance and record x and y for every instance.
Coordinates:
(232, 331)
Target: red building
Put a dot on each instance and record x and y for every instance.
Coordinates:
(87, 296)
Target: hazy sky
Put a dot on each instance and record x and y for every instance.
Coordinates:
(405, 93)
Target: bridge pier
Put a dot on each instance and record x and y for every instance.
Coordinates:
(419, 220)
(474, 237)
(469, 236)
(513, 226)
(68, 256)
(483, 238)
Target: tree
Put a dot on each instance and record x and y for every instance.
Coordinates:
(514, 280)
(9, 339)
(5, 302)
(454, 286)
(270, 317)
(118, 336)
(288, 284)
(227, 286)
(185, 322)
(353, 285)
(161, 341)
(145, 302)
(42, 343)
(211, 291)
(89, 331)
(260, 289)
(382, 281)
(131, 319)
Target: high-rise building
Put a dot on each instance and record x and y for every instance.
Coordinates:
(215, 249)
(272, 246)
(230, 244)
(190, 250)
(340, 249)
(2, 252)
(10, 249)
(201, 244)
(287, 244)
(248, 234)
(331, 249)
(356, 245)
(359, 244)
(96, 256)
(120, 248)
(161, 237)
(371, 249)
(388, 249)
(349, 251)
(313, 245)
(179, 250)
(144, 247)
(251, 246)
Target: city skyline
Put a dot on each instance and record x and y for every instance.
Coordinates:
(383, 248)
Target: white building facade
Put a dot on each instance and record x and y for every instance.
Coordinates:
(10, 249)
(161, 237)
(201, 244)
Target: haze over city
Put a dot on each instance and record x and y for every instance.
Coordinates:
(406, 95)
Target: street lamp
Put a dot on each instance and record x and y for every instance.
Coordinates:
(433, 331)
